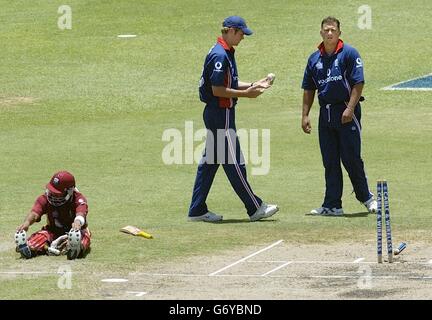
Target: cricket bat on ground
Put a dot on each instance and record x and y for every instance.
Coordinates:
(136, 232)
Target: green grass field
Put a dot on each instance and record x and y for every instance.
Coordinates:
(96, 105)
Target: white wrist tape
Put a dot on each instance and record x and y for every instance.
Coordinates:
(80, 219)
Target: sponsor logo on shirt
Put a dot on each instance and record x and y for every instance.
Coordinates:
(329, 78)
(218, 66)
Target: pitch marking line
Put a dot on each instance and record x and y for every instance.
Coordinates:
(28, 272)
(126, 36)
(277, 268)
(244, 259)
(391, 87)
(114, 280)
(267, 261)
(137, 293)
(400, 276)
(407, 89)
(360, 260)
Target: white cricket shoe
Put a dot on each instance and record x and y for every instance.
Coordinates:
(264, 211)
(207, 217)
(371, 205)
(323, 211)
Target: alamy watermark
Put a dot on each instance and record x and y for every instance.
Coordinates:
(220, 147)
(65, 279)
(365, 19)
(365, 279)
(65, 20)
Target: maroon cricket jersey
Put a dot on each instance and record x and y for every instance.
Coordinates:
(60, 219)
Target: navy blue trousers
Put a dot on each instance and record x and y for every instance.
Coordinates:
(341, 142)
(222, 147)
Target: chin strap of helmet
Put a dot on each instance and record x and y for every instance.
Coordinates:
(69, 194)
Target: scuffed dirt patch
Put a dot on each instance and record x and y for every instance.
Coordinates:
(16, 101)
(6, 246)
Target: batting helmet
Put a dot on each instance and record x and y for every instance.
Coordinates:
(60, 188)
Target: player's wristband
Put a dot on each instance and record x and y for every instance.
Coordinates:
(80, 219)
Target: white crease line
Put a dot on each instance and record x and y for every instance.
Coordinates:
(275, 269)
(330, 262)
(28, 272)
(167, 274)
(137, 293)
(352, 277)
(407, 88)
(360, 260)
(265, 261)
(244, 259)
(401, 276)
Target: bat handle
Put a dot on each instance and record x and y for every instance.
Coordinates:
(145, 235)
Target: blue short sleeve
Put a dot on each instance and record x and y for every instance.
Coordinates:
(308, 82)
(355, 68)
(217, 68)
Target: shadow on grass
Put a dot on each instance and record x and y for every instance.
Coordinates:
(350, 215)
(233, 221)
(242, 221)
(356, 215)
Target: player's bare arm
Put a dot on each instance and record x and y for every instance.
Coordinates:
(308, 98)
(354, 99)
(262, 83)
(29, 220)
(224, 92)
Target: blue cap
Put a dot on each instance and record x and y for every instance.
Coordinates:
(237, 22)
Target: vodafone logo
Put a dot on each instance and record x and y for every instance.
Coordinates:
(218, 65)
(329, 78)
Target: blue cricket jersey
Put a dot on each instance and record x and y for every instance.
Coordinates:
(219, 70)
(333, 76)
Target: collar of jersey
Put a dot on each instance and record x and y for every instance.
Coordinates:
(223, 43)
(339, 47)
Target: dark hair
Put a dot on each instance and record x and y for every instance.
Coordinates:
(226, 29)
(330, 20)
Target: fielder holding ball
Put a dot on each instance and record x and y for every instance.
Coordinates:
(219, 89)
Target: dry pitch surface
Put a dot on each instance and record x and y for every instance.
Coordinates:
(284, 271)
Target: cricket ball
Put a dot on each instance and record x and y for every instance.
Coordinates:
(271, 77)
